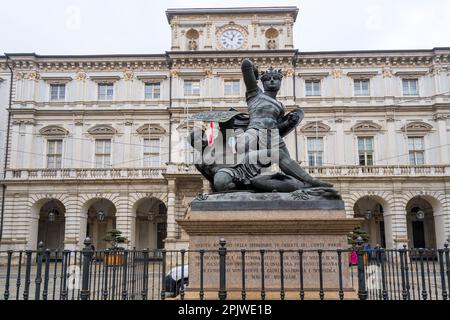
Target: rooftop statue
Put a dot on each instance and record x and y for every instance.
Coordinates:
(258, 142)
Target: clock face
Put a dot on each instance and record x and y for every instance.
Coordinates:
(232, 39)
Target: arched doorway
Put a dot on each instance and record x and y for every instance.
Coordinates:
(372, 212)
(101, 218)
(151, 224)
(420, 223)
(51, 225)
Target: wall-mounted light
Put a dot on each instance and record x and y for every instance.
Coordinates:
(420, 214)
(368, 214)
(101, 215)
(52, 215)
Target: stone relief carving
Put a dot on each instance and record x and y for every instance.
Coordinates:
(366, 126)
(417, 127)
(102, 130)
(53, 131)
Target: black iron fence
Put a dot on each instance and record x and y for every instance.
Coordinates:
(223, 273)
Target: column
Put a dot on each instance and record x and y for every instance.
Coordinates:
(391, 148)
(171, 212)
(395, 224)
(442, 131)
(339, 145)
(28, 145)
(72, 236)
(124, 217)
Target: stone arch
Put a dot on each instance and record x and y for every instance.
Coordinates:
(435, 198)
(137, 196)
(385, 198)
(85, 200)
(43, 229)
(36, 200)
(435, 224)
(149, 225)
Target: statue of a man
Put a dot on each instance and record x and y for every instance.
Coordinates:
(266, 114)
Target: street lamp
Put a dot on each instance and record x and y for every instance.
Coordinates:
(52, 215)
(420, 214)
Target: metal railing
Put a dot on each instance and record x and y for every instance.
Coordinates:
(353, 273)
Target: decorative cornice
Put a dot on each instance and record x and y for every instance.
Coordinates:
(417, 127)
(56, 79)
(151, 129)
(315, 127)
(151, 77)
(411, 73)
(366, 127)
(108, 78)
(362, 74)
(314, 75)
(102, 129)
(53, 130)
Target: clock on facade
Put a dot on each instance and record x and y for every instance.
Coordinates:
(232, 39)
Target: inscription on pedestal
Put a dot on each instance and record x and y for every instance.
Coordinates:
(292, 258)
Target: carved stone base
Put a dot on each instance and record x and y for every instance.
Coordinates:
(263, 223)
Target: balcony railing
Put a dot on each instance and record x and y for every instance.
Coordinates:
(183, 169)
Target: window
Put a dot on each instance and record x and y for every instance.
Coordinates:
(152, 153)
(105, 91)
(54, 154)
(410, 87)
(361, 87)
(152, 90)
(57, 91)
(192, 87)
(315, 151)
(102, 153)
(365, 151)
(416, 150)
(232, 87)
(312, 87)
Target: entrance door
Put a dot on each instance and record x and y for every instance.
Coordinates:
(418, 234)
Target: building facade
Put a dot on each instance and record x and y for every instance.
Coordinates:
(98, 142)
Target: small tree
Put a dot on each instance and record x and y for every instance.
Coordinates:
(357, 232)
(114, 237)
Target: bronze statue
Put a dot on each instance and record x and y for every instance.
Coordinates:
(258, 133)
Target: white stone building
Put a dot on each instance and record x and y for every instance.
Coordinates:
(96, 142)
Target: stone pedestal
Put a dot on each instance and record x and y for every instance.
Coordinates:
(270, 223)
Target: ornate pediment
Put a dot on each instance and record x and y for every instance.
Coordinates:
(366, 126)
(417, 127)
(53, 131)
(315, 127)
(151, 129)
(102, 129)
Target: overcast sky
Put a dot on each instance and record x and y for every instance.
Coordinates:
(140, 26)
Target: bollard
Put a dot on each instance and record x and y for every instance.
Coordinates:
(362, 292)
(87, 258)
(222, 269)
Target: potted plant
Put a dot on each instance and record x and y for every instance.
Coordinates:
(114, 238)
